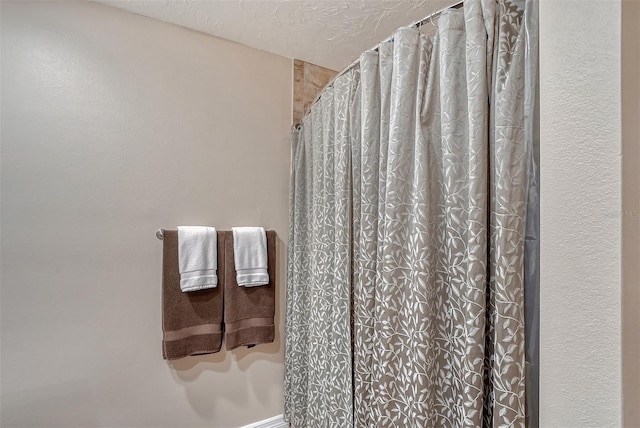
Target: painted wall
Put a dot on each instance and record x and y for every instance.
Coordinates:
(114, 125)
(580, 151)
(631, 211)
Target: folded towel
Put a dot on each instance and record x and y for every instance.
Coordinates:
(249, 311)
(191, 322)
(250, 253)
(197, 255)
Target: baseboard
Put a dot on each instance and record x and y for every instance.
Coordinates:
(274, 422)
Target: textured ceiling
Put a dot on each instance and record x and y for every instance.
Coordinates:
(330, 33)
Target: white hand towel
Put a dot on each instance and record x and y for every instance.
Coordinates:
(197, 258)
(250, 256)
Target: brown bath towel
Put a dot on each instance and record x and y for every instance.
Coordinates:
(191, 322)
(248, 311)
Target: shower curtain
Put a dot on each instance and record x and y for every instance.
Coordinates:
(409, 190)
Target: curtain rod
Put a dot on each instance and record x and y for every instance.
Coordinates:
(416, 24)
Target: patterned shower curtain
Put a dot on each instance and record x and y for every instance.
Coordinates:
(406, 243)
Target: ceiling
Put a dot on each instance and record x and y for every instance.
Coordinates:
(330, 33)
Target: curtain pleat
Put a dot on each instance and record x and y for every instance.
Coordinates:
(365, 195)
(408, 206)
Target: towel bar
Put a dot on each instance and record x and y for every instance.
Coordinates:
(160, 234)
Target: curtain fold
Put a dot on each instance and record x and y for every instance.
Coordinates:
(408, 201)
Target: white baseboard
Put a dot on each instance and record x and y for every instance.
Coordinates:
(274, 422)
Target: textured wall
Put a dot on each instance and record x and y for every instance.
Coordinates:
(114, 125)
(580, 327)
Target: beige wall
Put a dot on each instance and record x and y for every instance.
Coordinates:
(631, 211)
(308, 80)
(114, 125)
(581, 258)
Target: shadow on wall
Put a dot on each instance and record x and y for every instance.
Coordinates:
(187, 371)
(630, 212)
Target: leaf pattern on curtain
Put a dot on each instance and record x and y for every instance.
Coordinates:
(405, 264)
